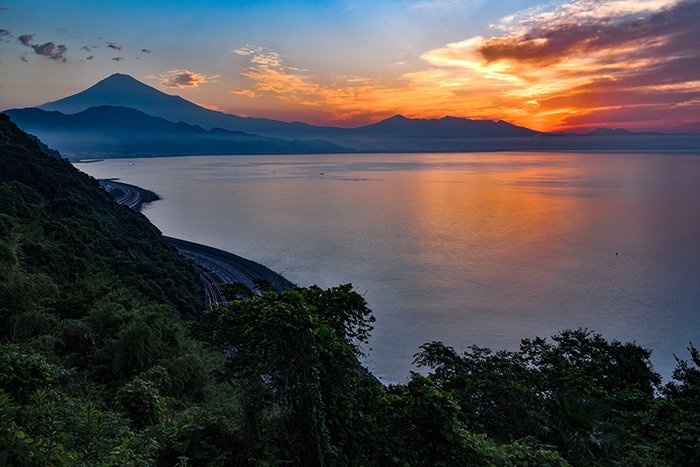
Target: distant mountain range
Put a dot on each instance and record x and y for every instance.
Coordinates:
(120, 90)
(604, 131)
(121, 116)
(109, 131)
(399, 126)
(609, 132)
(124, 91)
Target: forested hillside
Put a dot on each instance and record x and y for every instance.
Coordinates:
(108, 358)
(90, 297)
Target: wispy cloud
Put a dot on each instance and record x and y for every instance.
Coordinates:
(146, 51)
(346, 100)
(113, 45)
(184, 79)
(245, 92)
(262, 56)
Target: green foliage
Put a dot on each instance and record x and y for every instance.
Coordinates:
(77, 343)
(57, 433)
(264, 285)
(292, 366)
(21, 373)
(585, 362)
(237, 291)
(594, 401)
(141, 402)
(306, 400)
(580, 429)
(65, 242)
(426, 423)
(98, 366)
(277, 339)
(346, 311)
(497, 392)
(200, 438)
(90, 297)
(681, 416)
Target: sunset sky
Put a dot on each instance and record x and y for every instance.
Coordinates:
(561, 65)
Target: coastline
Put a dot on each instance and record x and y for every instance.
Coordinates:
(132, 196)
(216, 267)
(377, 253)
(228, 266)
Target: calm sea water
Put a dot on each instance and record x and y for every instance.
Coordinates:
(482, 248)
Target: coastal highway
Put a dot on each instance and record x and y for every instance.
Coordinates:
(226, 272)
(212, 288)
(222, 267)
(216, 267)
(131, 195)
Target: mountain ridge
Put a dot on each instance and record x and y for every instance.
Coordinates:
(398, 133)
(125, 91)
(109, 131)
(447, 126)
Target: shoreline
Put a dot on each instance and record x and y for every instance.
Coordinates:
(132, 196)
(690, 150)
(229, 266)
(216, 267)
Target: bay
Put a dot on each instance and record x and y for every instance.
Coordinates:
(469, 249)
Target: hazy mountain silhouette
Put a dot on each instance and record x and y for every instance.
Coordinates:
(622, 132)
(109, 131)
(124, 91)
(603, 131)
(121, 90)
(395, 134)
(446, 127)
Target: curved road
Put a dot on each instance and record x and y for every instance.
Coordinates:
(216, 268)
(131, 195)
(221, 267)
(212, 288)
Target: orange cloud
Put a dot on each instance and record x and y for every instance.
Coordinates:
(244, 92)
(350, 99)
(183, 79)
(580, 64)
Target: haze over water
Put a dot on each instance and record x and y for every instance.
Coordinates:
(481, 248)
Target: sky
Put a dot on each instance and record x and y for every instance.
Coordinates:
(569, 65)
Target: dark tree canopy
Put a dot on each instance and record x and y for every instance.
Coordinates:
(107, 357)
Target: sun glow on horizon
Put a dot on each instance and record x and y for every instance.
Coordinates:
(567, 65)
(582, 64)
